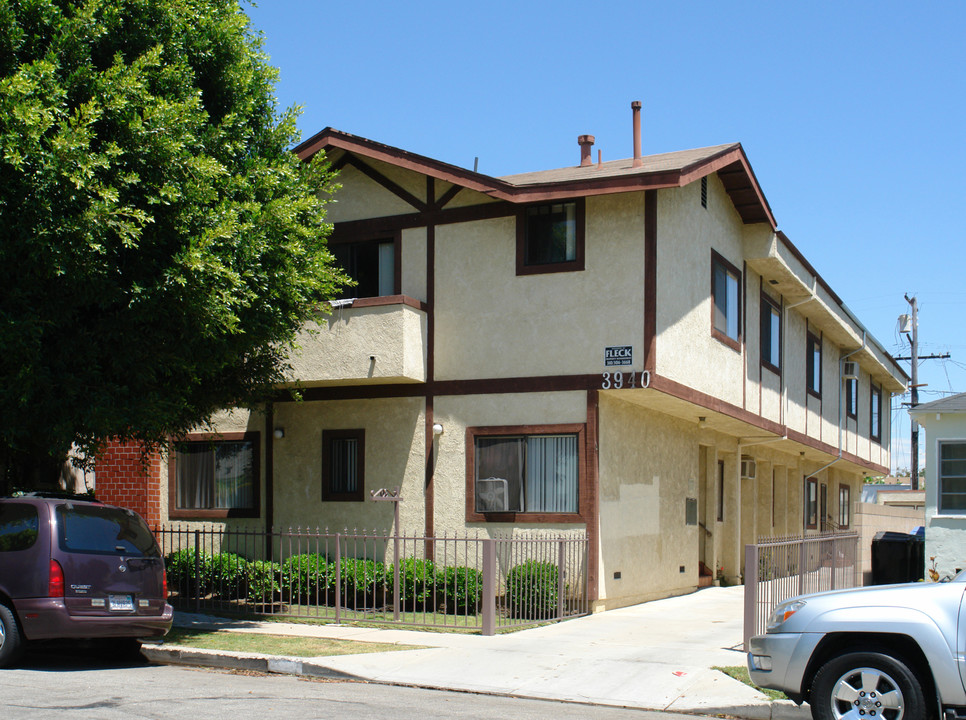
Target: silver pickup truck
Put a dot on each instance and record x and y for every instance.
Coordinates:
(893, 651)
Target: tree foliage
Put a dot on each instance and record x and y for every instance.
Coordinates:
(159, 243)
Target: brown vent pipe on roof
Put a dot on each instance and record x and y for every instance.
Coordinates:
(586, 142)
(636, 113)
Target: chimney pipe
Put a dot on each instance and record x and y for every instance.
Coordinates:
(586, 142)
(636, 112)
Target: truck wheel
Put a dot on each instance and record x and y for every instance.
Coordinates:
(11, 643)
(866, 686)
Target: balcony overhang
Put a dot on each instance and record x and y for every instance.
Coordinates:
(366, 341)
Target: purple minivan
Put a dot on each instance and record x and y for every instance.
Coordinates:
(72, 567)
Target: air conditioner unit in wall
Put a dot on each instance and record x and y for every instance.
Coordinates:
(748, 467)
(850, 370)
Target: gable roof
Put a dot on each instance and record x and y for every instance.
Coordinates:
(951, 404)
(665, 170)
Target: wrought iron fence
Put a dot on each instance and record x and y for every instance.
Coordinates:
(780, 568)
(461, 582)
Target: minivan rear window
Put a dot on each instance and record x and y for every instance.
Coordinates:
(18, 526)
(104, 531)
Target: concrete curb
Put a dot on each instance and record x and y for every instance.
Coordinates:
(311, 668)
(230, 660)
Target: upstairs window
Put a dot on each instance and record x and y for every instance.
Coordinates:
(813, 365)
(725, 301)
(550, 238)
(343, 465)
(371, 263)
(875, 413)
(952, 478)
(771, 334)
(215, 477)
(852, 397)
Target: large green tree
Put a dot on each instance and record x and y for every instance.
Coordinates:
(159, 243)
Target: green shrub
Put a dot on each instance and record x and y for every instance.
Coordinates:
(531, 590)
(183, 578)
(417, 583)
(264, 580)
(461, 589)
(229, 575)
(307, 577)
(363, 582)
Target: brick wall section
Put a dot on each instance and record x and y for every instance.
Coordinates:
(123, 479)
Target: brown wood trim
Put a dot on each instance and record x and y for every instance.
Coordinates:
(824, 447)
(269, 472)
(429, 493)
(575, 265)
(583, 514)
(592, 454)
(392, 223)
(359, 495)
(709, 402)
(447, 197)
(176, 513)
(650, 280)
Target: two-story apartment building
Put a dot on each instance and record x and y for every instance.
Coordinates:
(628, 348)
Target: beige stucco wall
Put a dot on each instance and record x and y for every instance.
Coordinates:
(360, 197)
(946, 532)
(394, 451)
(649, 465)
(492, 323)
(381, 344)
(456, 413)
(687, 233)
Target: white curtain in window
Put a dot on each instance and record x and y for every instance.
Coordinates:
(195, 473)
(552, 474)
(233, 475)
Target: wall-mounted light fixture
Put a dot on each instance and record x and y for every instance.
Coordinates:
(279, 433)
(437, 429)
(702, 422)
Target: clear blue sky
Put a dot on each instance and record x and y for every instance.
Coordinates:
(852, 115)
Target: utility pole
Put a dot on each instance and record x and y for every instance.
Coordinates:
(914, 390)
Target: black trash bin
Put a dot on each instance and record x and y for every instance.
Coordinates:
(897, 558)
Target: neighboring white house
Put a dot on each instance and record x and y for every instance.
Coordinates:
(945, 424)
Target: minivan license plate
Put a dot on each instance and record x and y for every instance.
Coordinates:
(121, 603)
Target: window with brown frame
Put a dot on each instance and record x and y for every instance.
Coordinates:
(343, 465)
(811, 503)
(214, 476)
(528, 473)
(771, 334)
(875, 413)
(813, 365)
(845, 506)
(852, 398)
(371, 263)
(725, 301)
(550, 238)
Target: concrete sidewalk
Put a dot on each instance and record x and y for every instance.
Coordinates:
(655, 656)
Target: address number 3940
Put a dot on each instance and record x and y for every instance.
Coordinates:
(621, 380)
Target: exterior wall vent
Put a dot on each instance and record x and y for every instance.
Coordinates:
(704, 191)
(850, 370)
(749, 468)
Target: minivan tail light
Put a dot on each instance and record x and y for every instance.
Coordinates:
(56, 586)
(164, 584)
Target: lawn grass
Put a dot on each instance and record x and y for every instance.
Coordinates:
(266, 644)
(740, 672)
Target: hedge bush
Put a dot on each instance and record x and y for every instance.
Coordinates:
(363, 582)
(309, 577)
(460, 590)
(182, 577)
(531, 590)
